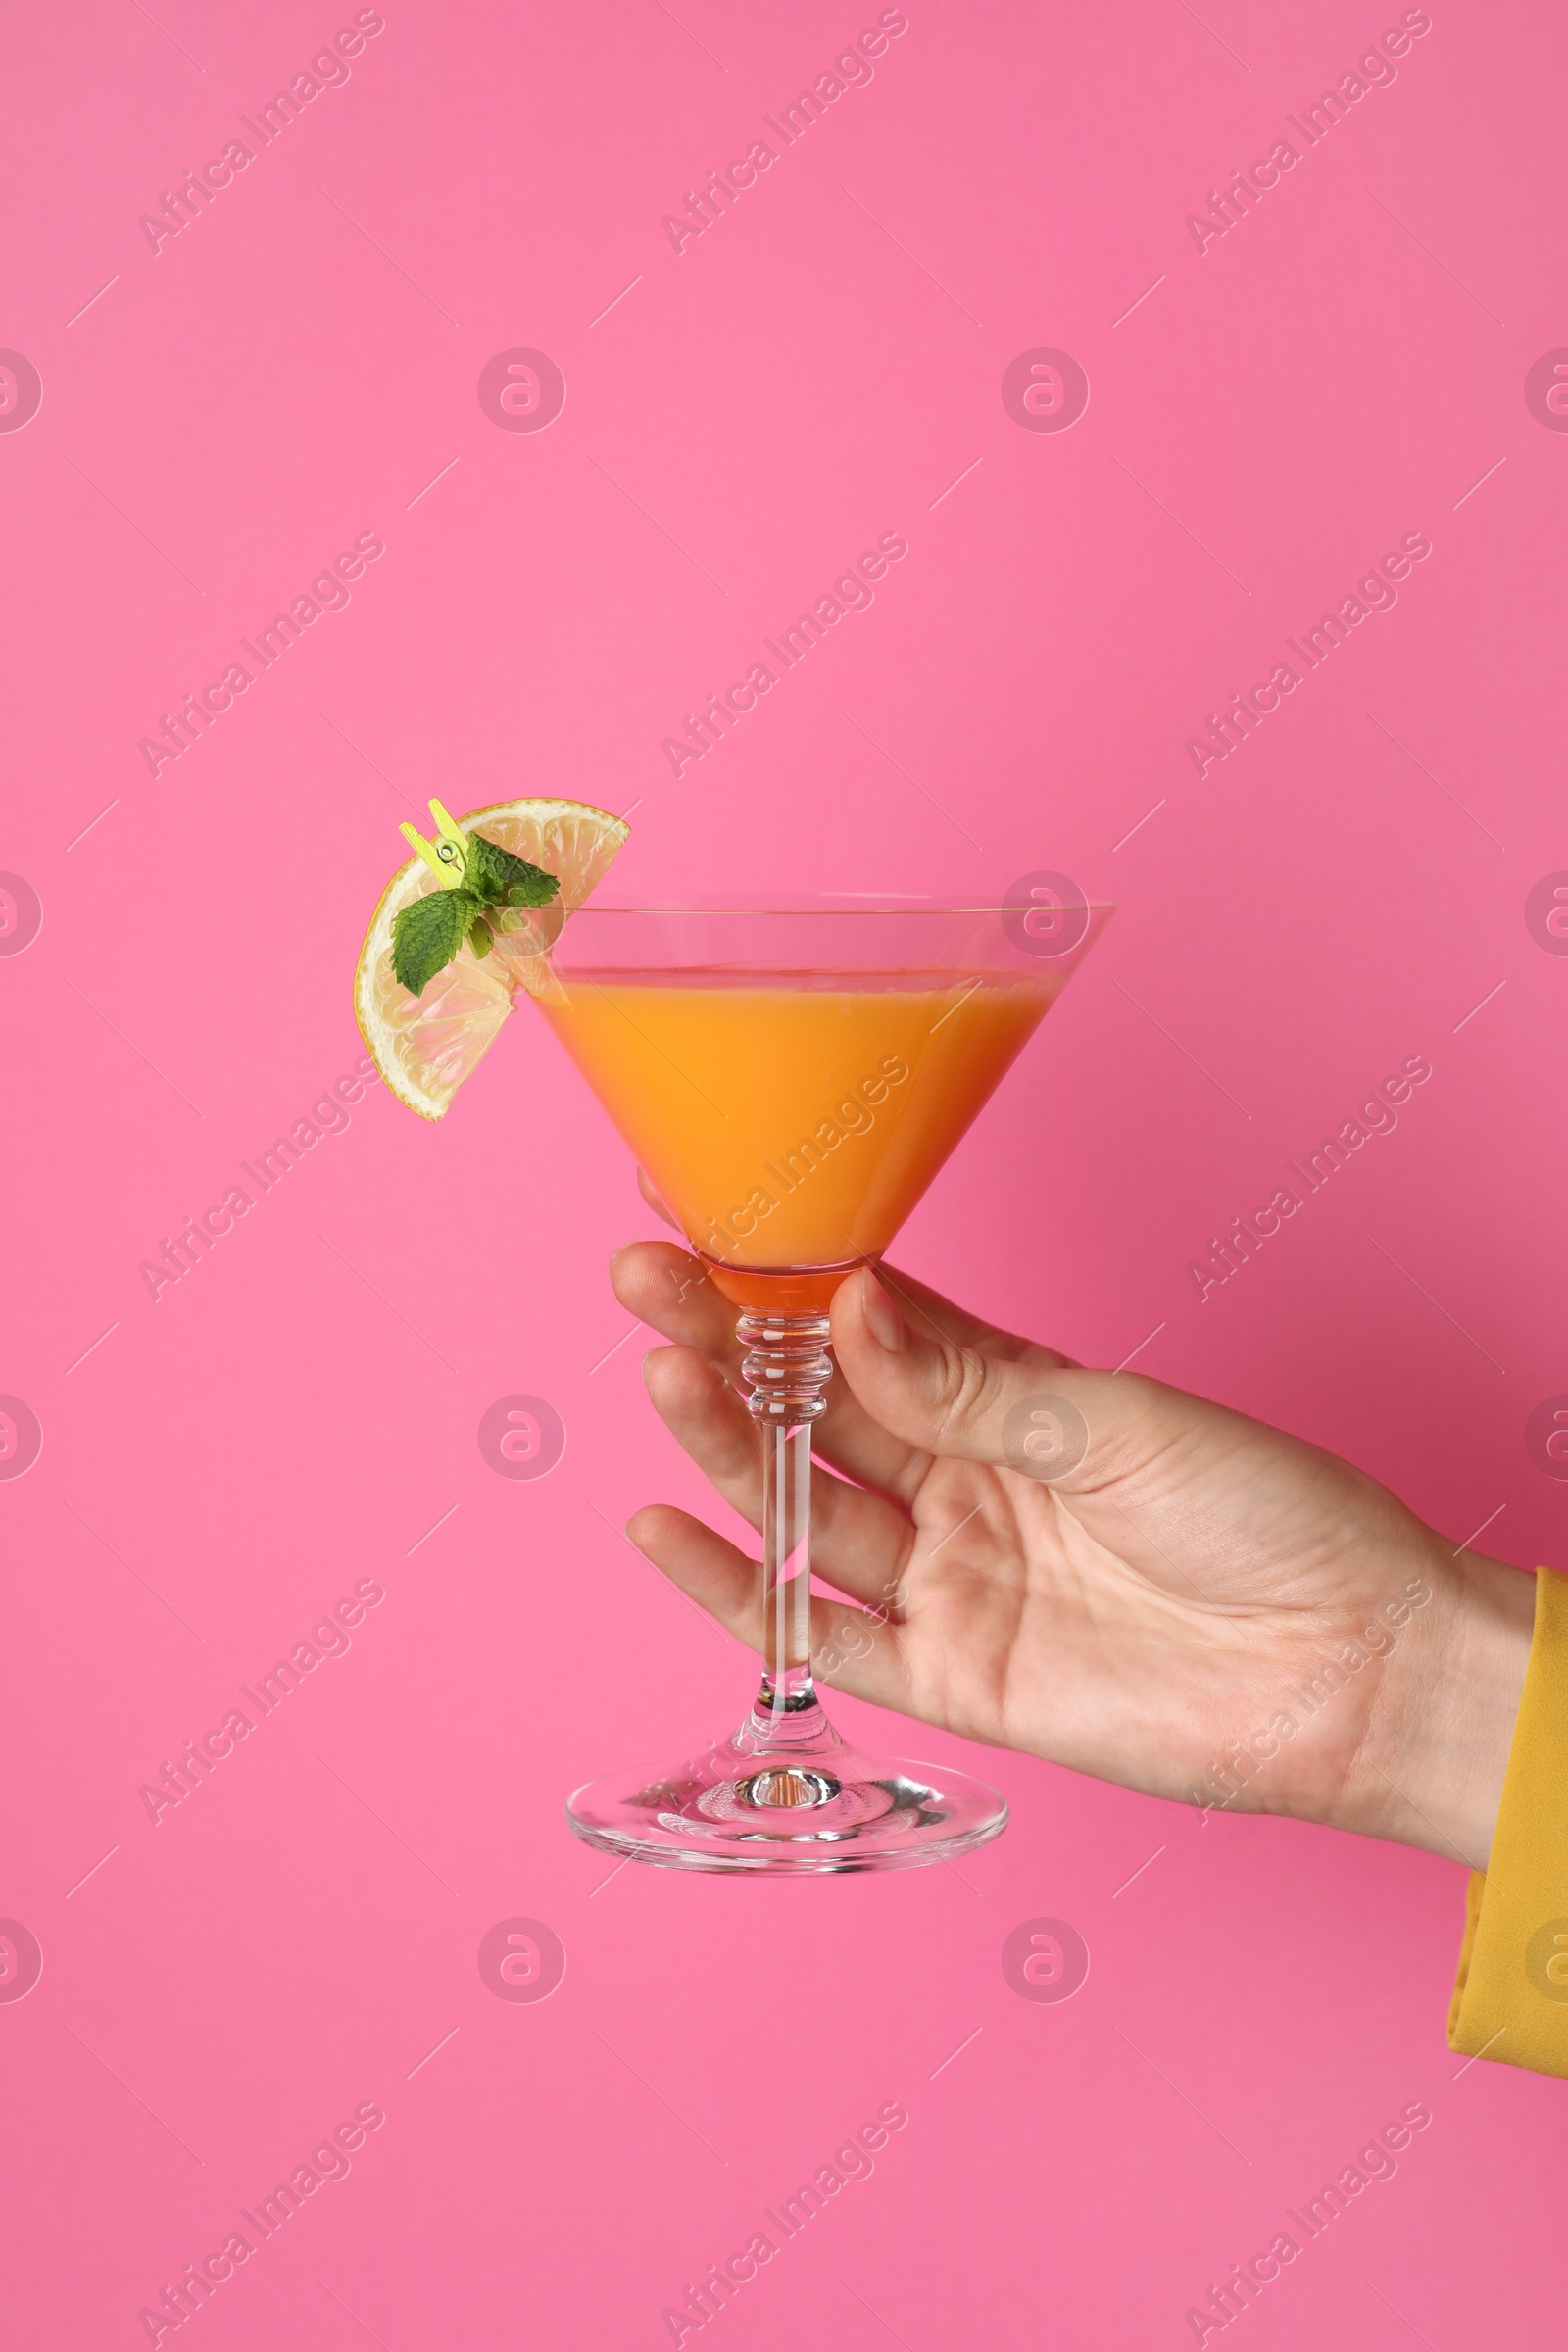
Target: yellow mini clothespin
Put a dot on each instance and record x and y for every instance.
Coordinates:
(444, 856)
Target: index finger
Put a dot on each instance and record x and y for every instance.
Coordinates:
(673, 1291)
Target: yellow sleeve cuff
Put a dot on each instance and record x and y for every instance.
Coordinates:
(1510, 1998)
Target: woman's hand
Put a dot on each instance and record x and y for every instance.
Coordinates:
(1102, 1570)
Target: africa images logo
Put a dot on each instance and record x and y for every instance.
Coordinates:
(852, 69)
(21, 391)
(1045, 1960)
(521, 389)
(1045, 391)
(1374, 69)
(521, 1436)
(20, 1960)
(1546, 389)
(21, 1437)
(521, 1960)
(21, 914)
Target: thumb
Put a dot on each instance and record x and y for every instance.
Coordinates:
(1043, 1419)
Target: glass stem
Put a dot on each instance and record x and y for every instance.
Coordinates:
(788, 1366)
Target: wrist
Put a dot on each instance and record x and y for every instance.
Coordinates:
(1440, 1747)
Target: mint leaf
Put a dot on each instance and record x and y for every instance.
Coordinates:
(482, 938)
(500, 878)
(427, 934)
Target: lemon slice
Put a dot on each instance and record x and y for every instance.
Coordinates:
(426, 1046)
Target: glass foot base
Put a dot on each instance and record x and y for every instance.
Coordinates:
(787, 1797)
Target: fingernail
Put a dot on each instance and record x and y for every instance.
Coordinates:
(887, 1326)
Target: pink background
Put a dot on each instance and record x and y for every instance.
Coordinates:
(298, 366)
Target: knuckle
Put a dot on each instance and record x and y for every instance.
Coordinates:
(964, 1382)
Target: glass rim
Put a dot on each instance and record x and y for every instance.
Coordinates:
(919, 907)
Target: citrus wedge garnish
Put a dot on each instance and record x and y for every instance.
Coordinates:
(426, 1046)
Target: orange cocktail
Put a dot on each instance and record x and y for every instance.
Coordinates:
(791, 1080)
(792, 1123)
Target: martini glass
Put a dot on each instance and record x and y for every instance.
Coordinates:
(791, 1081)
